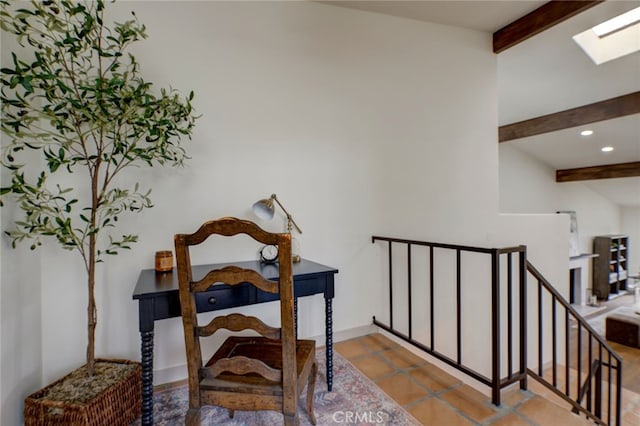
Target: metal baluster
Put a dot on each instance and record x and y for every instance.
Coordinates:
(540, 324)
(431, 295)
(509, 315)
(567, 350)
(554, 342)
(458, 303)
(609, 399)
(598, 390)
(579, 357)
(409, 288)
(390, 286)
(590, 377)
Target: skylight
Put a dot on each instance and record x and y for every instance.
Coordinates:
(617, 37)
(619, 22)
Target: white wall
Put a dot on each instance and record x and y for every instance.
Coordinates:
(528, 186)
(361, 123)
(20, 308)
(631, 227)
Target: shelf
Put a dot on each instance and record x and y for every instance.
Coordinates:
(610, 271)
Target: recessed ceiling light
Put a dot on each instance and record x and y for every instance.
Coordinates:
(606, 149)
(586, 132)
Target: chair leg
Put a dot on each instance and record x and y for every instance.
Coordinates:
(291, 419)
(311, 388)
(232, 413)
(193, 417)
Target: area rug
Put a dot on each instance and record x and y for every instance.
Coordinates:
(598, 321)
(355, 400)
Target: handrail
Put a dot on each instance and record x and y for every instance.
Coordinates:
(447, 246)
(532, 269)
(594, 376)
(496, 382)
(599, 366)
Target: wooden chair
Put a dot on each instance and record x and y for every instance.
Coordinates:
(266, 372)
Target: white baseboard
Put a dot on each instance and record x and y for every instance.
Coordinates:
(350, 333)
(170, 375)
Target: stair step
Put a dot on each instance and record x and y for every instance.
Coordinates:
(544, 411)
(630, 400)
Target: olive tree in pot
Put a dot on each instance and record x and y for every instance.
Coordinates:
(74, 97)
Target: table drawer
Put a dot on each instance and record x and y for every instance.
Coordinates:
(222, 298)
(302, 287)
(263, 296)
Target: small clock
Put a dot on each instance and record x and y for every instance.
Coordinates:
(269, 254)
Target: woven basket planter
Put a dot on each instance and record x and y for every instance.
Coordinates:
(118, 405)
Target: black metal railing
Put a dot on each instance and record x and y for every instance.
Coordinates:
(509, 350)
(500, 376)
(596, 368)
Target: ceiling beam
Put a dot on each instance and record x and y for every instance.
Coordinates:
(599, 111)
(544, 17)
(609, 171)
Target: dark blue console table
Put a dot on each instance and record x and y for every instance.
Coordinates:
(157, 296)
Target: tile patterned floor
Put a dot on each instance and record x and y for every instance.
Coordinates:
(436, 398)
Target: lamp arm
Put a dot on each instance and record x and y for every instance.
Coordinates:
(289, 217)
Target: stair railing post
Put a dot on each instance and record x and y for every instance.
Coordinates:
(598, 386)
(390, 253)
(618, 393)
(523, 317)
(495, 327)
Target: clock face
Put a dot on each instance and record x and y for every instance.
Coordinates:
(269, 253)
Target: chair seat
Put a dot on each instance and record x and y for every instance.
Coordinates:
(266, 350)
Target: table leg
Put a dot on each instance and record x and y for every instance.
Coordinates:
(146, 351)
(328, 312)
(295, 316)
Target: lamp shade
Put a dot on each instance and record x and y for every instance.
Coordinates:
(264, 209)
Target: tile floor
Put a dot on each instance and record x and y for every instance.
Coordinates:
(436, 398)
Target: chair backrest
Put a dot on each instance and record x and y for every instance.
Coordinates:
(233, 275)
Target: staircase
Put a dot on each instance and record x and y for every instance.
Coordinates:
(513, 318)
(593, 382)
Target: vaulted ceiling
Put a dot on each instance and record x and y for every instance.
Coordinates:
(548, 74)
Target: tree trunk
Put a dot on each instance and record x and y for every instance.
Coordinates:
(92, 317)
(91, 308)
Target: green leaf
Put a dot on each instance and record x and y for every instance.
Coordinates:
(75, 96)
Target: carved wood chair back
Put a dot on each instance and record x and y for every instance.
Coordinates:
(266, 372)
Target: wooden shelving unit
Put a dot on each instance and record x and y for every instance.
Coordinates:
(610, 267)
